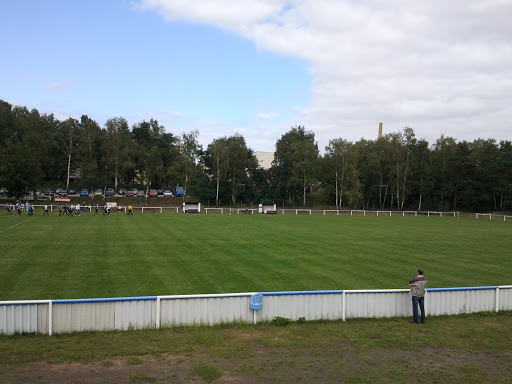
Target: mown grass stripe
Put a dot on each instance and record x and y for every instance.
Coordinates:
(164, 254)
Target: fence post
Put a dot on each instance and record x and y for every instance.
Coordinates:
(497, 299)
(426, 302)
(157, 325)
(50, 318)
(344, 306)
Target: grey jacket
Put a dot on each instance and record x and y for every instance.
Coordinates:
(418, 286)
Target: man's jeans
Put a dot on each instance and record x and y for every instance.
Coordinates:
(415, 302)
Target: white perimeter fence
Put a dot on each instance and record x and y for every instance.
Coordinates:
(295, 211)
(125, 313)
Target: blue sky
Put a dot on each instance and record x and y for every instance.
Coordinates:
(257, 67)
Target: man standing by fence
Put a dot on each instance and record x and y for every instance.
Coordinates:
(418, 287)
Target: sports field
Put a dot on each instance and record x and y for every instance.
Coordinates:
(163, 254)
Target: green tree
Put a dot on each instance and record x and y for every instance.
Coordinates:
(67, 137)
(504, 165)
(422, 184)
(19, 169)
(7, 123)
(296, 159)
(90, 153)
(186, 169)
(240, 163)
(154, 166)
(443, 161)
(341, 161)
(368, 166)
(216, 159)
(118, 150)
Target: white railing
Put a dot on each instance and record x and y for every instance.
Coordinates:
(297, 211)
(231, 211)
(364, 212)
(491, 215)
(124, 313)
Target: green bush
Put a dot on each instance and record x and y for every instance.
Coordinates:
(281, 321)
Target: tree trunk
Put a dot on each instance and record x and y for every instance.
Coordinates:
(69, 167)
(336, 174)
(217, 195)
(421, 192)
(385, 196)
(304, 192)
(405, 178)
(397, 188)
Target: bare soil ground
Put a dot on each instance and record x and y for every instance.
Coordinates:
(333, 363)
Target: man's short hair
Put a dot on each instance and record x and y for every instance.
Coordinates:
(420, 271)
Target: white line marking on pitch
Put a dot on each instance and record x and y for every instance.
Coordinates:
(12, 226)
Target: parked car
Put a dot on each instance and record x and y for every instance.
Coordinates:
(168, 192)
(153, 192)
(71, 191)
(48, 192)
(84, 192)
(129, 193)
(140, 192)
(122, 191)
(98, 192)
(109, 192)
(60, 192)
(160, 192)
(179, 191)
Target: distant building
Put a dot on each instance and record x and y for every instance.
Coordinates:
(265, 159)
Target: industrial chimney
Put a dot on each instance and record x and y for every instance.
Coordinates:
(380, 131)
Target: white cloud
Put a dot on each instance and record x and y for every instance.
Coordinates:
(267, 115)
(440, 67)
(57, 86)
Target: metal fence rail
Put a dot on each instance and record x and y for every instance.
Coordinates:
(125, 313)
(364, 212)
(297, 211)
(492, 215)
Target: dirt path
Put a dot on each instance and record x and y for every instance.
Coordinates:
(338, 363)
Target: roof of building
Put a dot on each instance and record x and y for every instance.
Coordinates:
(265, 159)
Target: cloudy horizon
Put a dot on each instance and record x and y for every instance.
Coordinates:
(258, 67)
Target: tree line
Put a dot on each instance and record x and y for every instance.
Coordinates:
(397, 171)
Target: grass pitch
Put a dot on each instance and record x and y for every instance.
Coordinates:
(454, 349)
(162, 254)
